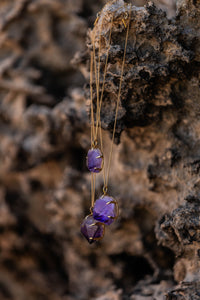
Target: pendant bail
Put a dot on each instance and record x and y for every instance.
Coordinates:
(105, 190)
(95, 144)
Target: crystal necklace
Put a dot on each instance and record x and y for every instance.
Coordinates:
(104, 210)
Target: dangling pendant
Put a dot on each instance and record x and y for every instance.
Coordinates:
(95, 160)
(92, 229)
(105, 210)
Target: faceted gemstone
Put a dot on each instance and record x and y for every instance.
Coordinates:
(94, 160)
(92, 229)
(105, 210)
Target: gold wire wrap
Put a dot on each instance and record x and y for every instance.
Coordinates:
(95, 68)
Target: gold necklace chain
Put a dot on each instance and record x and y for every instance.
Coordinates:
(94, 68)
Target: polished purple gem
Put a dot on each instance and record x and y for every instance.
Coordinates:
(94, 160)
(105, 210)
(92, 229)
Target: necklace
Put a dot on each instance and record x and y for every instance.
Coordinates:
(105, 209)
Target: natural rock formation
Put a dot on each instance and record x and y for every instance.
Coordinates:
(152, 250)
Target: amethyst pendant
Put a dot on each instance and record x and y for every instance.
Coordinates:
(105, 210)
(92, 229)
(94, 160)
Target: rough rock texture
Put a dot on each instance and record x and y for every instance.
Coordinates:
(153, 250)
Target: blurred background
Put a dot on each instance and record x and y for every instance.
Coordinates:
(44, 183)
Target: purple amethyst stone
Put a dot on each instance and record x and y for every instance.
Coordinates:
(92, 229)
(105, 210)
(94, 160)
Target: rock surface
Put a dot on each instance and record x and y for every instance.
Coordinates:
(153, 250)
